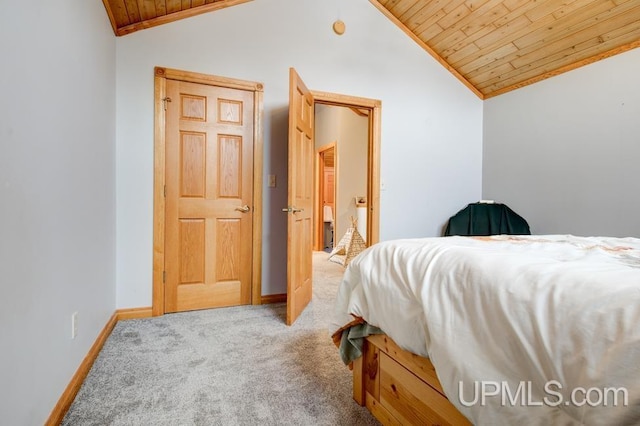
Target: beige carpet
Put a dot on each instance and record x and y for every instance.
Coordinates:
(231, 366)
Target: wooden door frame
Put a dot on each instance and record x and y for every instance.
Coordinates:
(319, 191)
(159, 146)
(374, 107)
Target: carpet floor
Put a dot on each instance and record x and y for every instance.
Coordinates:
(230, 366)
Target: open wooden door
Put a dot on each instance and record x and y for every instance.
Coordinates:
(300, 197)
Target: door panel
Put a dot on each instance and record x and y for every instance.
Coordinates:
(192, 164)
(209, 178)
(300, 197)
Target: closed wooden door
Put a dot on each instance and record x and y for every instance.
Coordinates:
(300, 197)
(209, 193)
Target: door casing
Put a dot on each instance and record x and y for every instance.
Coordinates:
(161, 76)
(374, 108)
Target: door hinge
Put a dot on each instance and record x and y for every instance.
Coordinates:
(164, 277)
(164, 101)
(165, 191)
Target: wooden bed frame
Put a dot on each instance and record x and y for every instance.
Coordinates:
(400, 388)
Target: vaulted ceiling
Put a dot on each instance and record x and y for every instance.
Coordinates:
(492, 46)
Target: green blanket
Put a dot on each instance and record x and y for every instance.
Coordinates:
(352, 340)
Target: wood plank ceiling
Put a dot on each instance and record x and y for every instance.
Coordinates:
(128, 16)
(492, 46)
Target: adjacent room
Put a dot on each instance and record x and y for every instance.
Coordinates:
(396, 113)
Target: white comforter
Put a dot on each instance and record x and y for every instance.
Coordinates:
(511, 313)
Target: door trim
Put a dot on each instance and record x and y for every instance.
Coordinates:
(160, 80)
(373, 158)
(318, 194)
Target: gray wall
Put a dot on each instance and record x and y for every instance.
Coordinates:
(352, 167)
(565, 152)
(431, 123)
(57, 196)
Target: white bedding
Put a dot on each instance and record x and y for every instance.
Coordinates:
(507, 310)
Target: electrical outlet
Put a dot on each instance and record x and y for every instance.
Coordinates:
(74, 325)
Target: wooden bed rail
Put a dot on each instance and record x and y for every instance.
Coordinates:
(401, 388)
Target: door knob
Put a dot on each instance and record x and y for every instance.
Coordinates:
(244, 209)
(292, 210)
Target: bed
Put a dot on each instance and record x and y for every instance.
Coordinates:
(494, 330)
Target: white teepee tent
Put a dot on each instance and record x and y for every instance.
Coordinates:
(349, 246)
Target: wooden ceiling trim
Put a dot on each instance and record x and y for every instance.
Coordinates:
(112, 18)
(566, 45)
(417, 21)
(147, 9)
(564, 36)
(499, 44)
(539, 31)
(118, 10)
(445, 38)
(429, 50)
(404, 13)
(460, 53)
(174, 6)
(481, 15)
(431, 16)
(588, 48)
(128, 16)
(449, 6)
(564, 69)
(550, 8)
(402, 6)
(516, 4)
(388, 3)
(584, 55)
(491, 46)
(132, 10)
(491, 42)
(467, 44)
(492, 72)
(455, 16)
(563, 40)
(571, 24)
(485, 21)
(161, 7)
(516, 27)
(430, 32)
(490, 58)
(415, 14)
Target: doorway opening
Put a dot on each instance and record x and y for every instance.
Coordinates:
(346, 139)
(326, 185)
